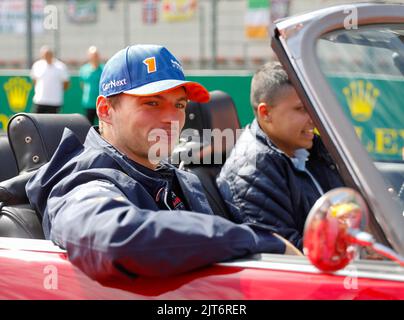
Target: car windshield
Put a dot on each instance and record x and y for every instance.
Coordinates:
(365, 68)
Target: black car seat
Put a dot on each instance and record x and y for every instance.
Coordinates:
(204, 153)
(33, 140)
(35, 137)
(8, 168)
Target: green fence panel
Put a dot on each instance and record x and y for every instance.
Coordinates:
(375, 107)
(72, 102)
(16, 92)
(237, 86)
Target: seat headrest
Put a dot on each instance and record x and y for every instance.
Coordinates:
(35, 137)
(219, 114)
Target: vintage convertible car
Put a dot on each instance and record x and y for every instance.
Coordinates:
(347, 64)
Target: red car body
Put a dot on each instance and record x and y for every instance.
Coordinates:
(36, 269)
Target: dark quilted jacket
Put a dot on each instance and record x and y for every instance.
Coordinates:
(261, 184)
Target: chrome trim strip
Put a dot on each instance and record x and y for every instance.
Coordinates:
(381, 270)
(29, 245)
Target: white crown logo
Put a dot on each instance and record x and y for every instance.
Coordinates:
(361, 98)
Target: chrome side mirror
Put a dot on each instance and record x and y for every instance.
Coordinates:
(334, 229)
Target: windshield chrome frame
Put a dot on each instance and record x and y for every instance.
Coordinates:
(294, 41)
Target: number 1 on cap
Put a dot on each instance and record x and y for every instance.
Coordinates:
(151, 64)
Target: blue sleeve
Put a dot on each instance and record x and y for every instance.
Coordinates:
(259, 193)
(106, 235)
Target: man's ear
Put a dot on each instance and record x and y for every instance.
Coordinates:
(103, 109)
(264, 112)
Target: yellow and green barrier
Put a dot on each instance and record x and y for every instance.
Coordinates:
(16, 92)
(376, 109)
(375, 106)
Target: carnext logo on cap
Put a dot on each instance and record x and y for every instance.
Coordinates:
(175, 64)
(113, 84)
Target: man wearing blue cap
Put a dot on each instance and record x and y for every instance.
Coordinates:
(112, 206)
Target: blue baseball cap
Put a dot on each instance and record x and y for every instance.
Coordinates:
(145, 70)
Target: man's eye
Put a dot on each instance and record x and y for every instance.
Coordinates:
(152, 103)
(181, 105)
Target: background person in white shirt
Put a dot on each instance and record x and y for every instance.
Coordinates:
(51, 79)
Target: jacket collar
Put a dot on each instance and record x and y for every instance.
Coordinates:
(263, 138)
(153, 179)
(300, 158)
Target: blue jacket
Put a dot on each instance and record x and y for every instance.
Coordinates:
(101, 209)
(260, 183)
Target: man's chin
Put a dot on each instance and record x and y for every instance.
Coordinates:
(158, 153)
(309, 145)
(306, 144)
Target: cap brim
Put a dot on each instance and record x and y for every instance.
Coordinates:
(195, 91)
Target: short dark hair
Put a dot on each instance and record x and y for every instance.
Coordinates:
(114, 100)
(268, 84)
